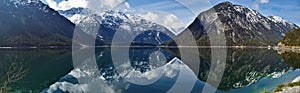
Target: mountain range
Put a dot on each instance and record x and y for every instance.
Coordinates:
(26, 23)
(32, 23)
(129, 27)
(242, 26)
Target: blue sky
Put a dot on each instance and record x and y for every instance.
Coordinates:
(185, 10)
(287, 9)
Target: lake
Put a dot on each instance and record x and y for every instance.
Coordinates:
(148, 69)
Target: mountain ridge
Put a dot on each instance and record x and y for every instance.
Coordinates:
(130, 27)
(33, 23)
(242, 26)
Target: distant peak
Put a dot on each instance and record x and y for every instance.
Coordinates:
(228, 6)
(226, 3)
(278, 19)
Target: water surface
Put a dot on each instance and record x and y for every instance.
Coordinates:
(149, 69)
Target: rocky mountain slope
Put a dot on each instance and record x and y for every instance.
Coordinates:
(31, 23)
(26, 23)
(242, 26)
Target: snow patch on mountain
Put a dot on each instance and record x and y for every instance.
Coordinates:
(283, 23)
(76, 18)
(128, 21)
(278, 19)
(239, 8)
(22, 2)
(251, 15)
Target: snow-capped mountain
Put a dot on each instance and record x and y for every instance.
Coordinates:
(32, 23)
(76, 15)
(278, 19)
(242, 25)
(77, 10)
(280, 22)
(130, 26)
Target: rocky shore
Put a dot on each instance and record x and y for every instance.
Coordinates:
(291, 89)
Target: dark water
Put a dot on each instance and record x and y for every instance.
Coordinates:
(44, 67)
(148, 69)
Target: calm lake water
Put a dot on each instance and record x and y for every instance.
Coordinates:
(150, 70)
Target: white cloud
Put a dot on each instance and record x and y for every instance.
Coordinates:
(124, 7)
(102, 5)
(94, 5)
(264, 1)
(255, 6)
(65, 5)
(168, 20)
(257, 3)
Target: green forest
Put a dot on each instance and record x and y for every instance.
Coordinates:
(292, 38)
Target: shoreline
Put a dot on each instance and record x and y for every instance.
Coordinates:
(280, 49)
(297, 79)
(283, 49)
(37, 47)
(287, 47)
(294, 89)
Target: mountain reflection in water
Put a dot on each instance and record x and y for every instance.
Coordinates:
(151, 69)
